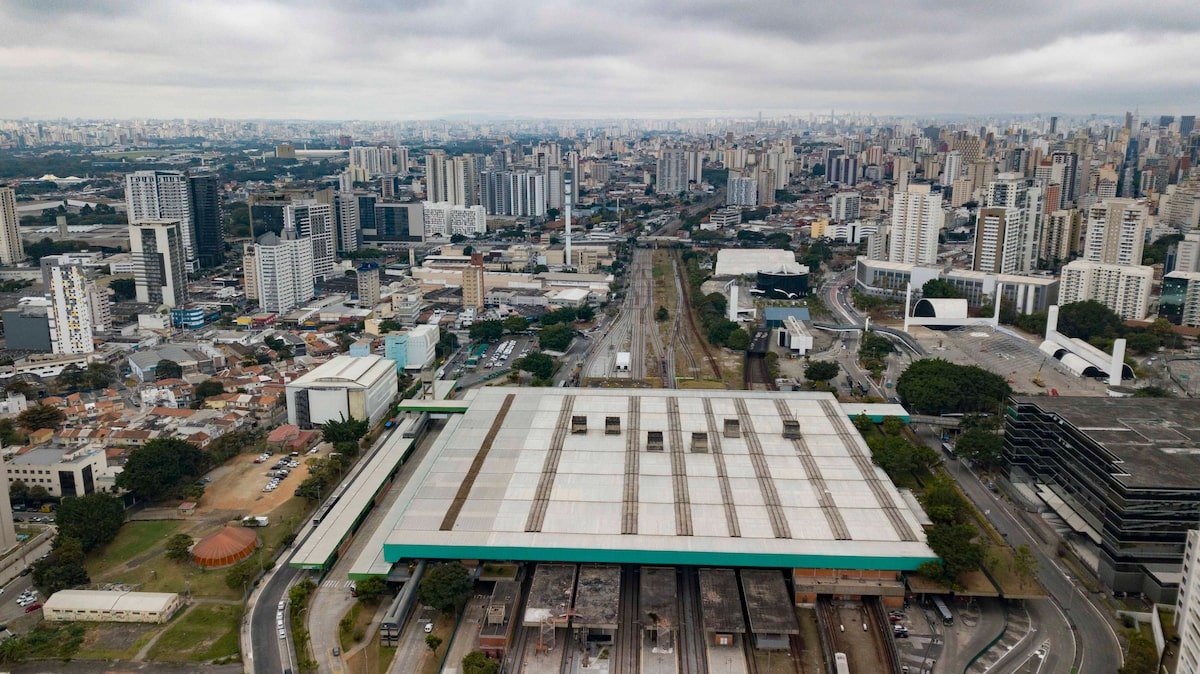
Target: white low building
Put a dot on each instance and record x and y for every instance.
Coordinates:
(111, 606)
(362, 387)
(795, 336)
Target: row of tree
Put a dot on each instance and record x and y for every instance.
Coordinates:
(936, 386)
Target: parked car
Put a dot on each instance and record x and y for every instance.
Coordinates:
(33, 607)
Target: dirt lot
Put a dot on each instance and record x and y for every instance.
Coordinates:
(237, 486)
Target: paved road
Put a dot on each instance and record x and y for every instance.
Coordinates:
(1081, 633)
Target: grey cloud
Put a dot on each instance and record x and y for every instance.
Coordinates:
(378, 59)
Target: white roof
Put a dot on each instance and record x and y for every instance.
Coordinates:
(348, 371)
(520, 497)
(743, 261)
(110, 600)
(572, 294)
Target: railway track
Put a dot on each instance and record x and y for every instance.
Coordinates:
(627, 649)
(884, 658)
(686, 301)
(690, 645)
(756, 376)
(514, 657)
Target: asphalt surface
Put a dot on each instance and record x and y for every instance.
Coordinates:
(1080, 632)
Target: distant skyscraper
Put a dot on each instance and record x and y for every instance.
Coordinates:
(12, 250)
(163, 195)
(519, 193)
(1187, 124)
(313, 221)
(953, 168)
(672, 172)
(845, 206)
(207, 219)
(435, 176)
(1116, 232)
(160, 268)
(70, 294)
(842, 170)
(473, 288)
(283, 271)
(347, 219)
(917, 219)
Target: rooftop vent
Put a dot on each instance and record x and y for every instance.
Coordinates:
(578, 425)
(733, 428)
(699, 442)
(791, 428)
(612, 425)
(654, 441)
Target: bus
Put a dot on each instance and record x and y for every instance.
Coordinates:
(843, 666)
(949, 450)
(943, 611)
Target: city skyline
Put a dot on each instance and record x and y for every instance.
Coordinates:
(570, 60)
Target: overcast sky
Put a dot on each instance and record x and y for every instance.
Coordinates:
(414, 59)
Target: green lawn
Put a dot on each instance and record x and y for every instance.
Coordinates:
(160, 574)
(208, 632)
(134, 538)
(115, 641)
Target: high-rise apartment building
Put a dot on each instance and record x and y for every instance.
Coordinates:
(313, 221)
(207, 219)
(917, 218)
(842, 170)
(12, 250)
(249, 271)
(445, 220)
(473, 290)
(1186, 255)
(1116, 232)
(349, 226)
(695, 168)
(845, 206)
(741, 190)
(671, 174)
(1062, 235)
(159, 262)
(435, 176)
(283, 271)
(1181, 207)
(997, 240)
(367, 278)
(1012, 190)
(518, 193)
(163, 195)
(952, 168)
(1123, 288)
(1187, 603)
(70, 294)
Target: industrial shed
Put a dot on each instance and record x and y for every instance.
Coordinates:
(111, 606)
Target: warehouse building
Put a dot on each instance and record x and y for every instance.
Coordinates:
(111, 606)
(654, 477)
(346, 386)
(1123, 473)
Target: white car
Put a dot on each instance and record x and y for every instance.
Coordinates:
(282, 603)
(282, 634)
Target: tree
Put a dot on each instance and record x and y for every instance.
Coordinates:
(486, 331)
(18, 492)
(167, 369)
(738, 339)
(538, 364)
(179, 547)
(1142, 342)
(370, 590)
(585, 313)
(124, 289)
(556, 337)
(41, 415)
(936, 287)
(954, 543)
(516, 323)
(208, 388)
(445, 587)
(160, 468)
(390, 325)
(1088, 319)
(936, 386)
(821, 370)
(661, 314)
(1024, 563)
(980, 446)
(457, 238)
(476, 662)
(433, 642)
(62, 569)
(93, 520)
(38, 494)
(344, 430)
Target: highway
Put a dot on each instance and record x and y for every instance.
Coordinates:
(1079, 632)
(267, 652)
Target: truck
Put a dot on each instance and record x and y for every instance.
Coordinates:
(255, 521)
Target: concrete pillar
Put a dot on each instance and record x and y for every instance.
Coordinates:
(996, 308)
(1051, 322)
(1118, 363)
(907, 301)
(733, 301)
